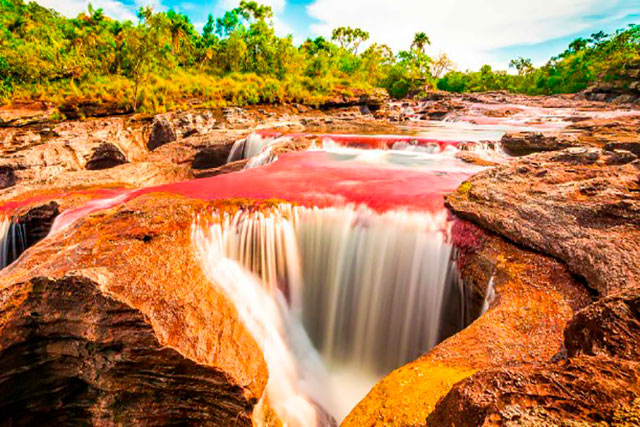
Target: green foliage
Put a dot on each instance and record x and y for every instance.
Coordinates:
(161, 62)
(601, 57)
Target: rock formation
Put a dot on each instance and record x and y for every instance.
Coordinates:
(580, 205)
(110, 319)
(93, 328)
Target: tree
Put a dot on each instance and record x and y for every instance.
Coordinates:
(577, 45)
(420, 41)
(227, 24)
(349, 38)
(524, 66)
(251, 10)
(441, 65)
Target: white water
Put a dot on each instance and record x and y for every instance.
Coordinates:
(264, 315)
(13, 241)
(257, 148)
(367, 287)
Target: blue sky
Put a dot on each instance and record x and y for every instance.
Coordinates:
(472, 32)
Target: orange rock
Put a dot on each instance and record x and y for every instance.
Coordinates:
(113, 320)
(535, 297)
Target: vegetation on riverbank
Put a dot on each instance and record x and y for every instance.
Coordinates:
(161, 62)
(602, 57)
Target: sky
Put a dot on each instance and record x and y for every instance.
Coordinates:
(471, 32)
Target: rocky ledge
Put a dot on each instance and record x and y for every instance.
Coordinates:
(97, 325)
(580, 205)
(112, 320)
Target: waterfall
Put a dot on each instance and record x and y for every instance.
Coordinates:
(264, 314)
(13, 241)
(257, 148)
(373, 283)
(248, 147)
(369, 288)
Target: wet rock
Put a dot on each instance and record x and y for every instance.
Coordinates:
(583, 210)
(38, 220)
(162, 132)
(212, 157)
(610, 326)
(105, 156)
(523, 143)
(584, 390)
(7, 177)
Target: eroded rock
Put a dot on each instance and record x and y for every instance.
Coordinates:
(105, 156)
(7, 177)
(610, 327)
(575, 204)
(71, 353)
(584, 390)
(92, 327)
(523, 143)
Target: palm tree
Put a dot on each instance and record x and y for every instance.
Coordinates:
(420, 40)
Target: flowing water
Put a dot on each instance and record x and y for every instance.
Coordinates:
(369, 288)
(13, 241)
(372, 289)
(353, 274)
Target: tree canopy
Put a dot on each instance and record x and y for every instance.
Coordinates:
(161, 61)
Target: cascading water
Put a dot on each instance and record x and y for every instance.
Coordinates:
(368, 287)
(248, 147)
(265, 316)
(255, 147)
(13, 241)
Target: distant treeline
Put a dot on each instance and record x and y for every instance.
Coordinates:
(602, 57)
(161, 62)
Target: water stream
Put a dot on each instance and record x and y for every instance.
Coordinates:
(13, 241)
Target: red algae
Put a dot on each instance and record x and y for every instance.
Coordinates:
(310, 178)
(363, 141)
(95, 193)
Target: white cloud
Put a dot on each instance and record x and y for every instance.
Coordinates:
(468, 30)
(156, 5)
(71, 8)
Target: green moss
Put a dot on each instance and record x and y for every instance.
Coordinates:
(464, 188)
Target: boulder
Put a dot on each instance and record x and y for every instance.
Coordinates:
(633, 147)
(169, 127)
(94, 329)
(105, 156)
(71, 354)
(578, 391)
(7, 177)
(609, 327)
(162, 132)
(523, 143)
